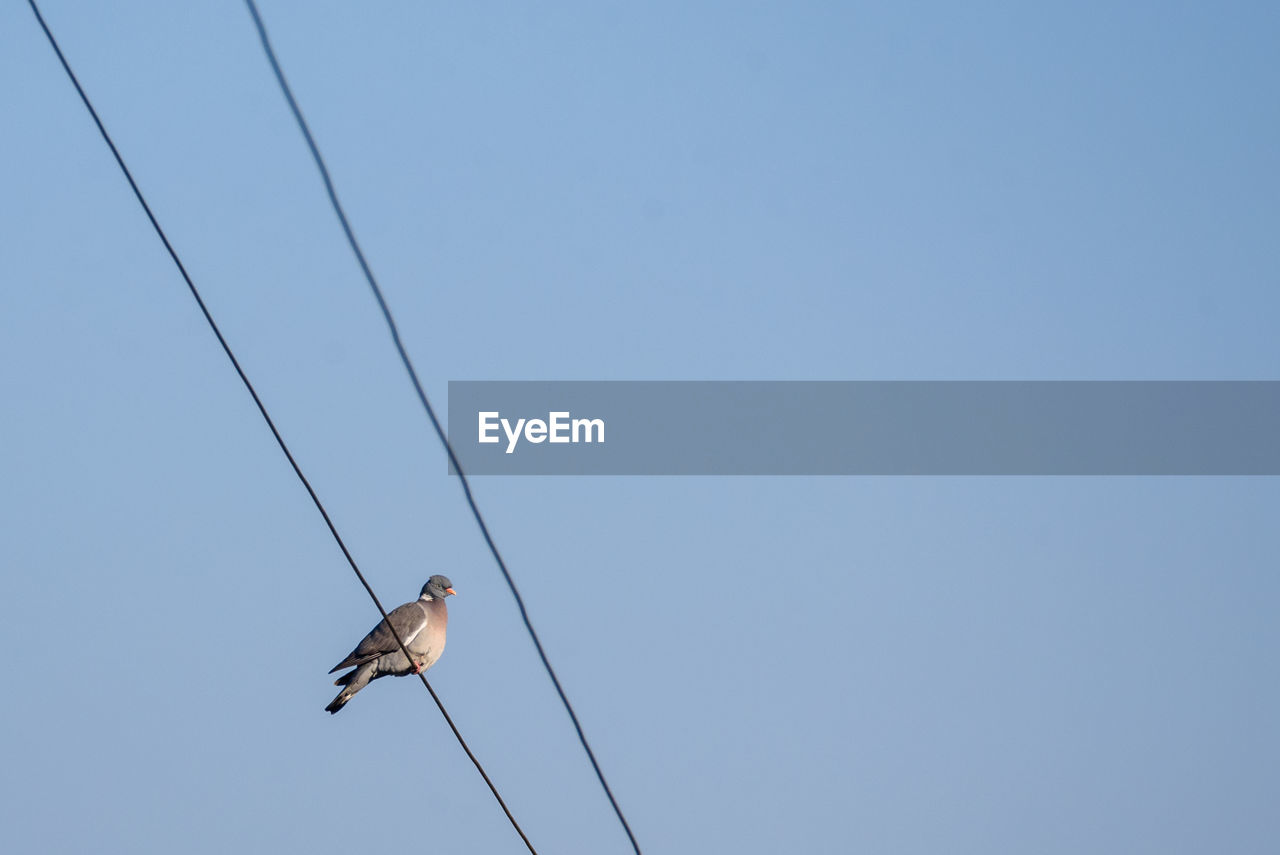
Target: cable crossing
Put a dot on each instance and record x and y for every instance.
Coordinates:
(430, 411)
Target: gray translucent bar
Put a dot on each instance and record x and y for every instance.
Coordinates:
(869, 428)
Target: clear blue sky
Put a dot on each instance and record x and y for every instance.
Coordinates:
(631, 191)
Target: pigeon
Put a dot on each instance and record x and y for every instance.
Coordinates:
(420, 625)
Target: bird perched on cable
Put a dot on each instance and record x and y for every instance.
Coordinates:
(420, 625)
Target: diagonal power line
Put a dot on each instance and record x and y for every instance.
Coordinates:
(431, 414)
(244, 378)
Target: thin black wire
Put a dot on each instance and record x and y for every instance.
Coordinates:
(431, 414)
(263, 410)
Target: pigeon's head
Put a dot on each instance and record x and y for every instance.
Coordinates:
(438, 587)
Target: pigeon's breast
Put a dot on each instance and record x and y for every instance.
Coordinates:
(431, 639)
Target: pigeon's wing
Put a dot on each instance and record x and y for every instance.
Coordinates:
(409, 620)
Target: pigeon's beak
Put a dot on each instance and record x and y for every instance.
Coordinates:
(451, 591)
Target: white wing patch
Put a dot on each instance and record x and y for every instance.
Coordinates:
(408, 639)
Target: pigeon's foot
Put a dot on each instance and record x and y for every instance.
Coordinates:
(417, 668)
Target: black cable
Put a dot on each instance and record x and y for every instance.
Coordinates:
(431, 414)
(263, 410)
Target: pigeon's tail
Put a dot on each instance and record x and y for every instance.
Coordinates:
(354, 682)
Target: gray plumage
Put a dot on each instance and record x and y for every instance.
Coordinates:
(420, 625)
